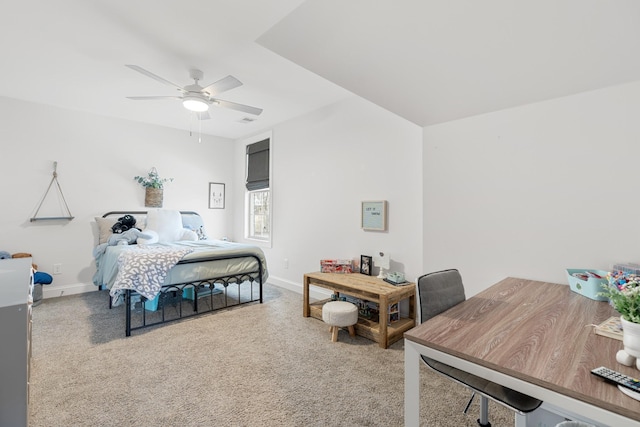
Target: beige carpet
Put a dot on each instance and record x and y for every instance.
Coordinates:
(254, 365)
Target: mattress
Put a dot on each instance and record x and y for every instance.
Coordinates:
(200, 264)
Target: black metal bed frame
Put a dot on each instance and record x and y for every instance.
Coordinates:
(171, 296)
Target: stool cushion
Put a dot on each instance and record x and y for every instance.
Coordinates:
(340, 313)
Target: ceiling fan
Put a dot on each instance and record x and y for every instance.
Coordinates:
(197, 98)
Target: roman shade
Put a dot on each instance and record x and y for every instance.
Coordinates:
(258, 165)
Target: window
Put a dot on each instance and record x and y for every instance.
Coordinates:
(258, 200)
(259, 227)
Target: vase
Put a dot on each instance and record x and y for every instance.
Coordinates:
(153, 197)
(631, 337)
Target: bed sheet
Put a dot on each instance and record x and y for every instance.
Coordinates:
(107, 264)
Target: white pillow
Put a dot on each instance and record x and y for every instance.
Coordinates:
(189, 235)
(152, 239)
(167, 223)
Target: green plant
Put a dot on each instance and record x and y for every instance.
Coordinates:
(152, 179)
(623, 291)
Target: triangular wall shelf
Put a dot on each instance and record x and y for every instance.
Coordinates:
(53, 179)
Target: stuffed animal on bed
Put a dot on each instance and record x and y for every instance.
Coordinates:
(128, 237)
(123, 224)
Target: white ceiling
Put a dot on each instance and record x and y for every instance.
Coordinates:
(425, 60)
(72, 54)
(432, 61)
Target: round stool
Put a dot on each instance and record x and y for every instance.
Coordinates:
(340, 314)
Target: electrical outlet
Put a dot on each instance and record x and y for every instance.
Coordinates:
(285, 264)
(57, 268)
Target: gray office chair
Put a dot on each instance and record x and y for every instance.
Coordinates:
(437, 292)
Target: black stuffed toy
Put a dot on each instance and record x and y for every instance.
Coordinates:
(123, 224)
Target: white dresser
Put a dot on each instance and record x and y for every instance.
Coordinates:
(15, 340)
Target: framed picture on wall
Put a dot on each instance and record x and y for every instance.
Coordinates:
(374, 215)
(366, 262)
(216, 195)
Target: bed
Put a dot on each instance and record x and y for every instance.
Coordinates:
(167, 277)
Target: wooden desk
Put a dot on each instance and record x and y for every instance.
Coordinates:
(533, 337)
(367, 288)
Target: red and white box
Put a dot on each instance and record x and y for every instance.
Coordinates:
(335, 266)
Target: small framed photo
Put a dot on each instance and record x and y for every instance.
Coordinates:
(366, 262)
(374, 215)
(216, 195)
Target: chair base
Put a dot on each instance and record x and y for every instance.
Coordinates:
(483, 421)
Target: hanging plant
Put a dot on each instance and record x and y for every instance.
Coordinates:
(152, 180)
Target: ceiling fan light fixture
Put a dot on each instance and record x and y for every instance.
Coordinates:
(193, 103)
(197, 98)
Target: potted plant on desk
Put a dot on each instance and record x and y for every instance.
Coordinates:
(623, 291)
(154, 186)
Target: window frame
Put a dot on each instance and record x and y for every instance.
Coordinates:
(265, 242)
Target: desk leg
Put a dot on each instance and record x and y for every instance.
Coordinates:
(411, 385)
(305, 297)
(383, 319)
(412, 307)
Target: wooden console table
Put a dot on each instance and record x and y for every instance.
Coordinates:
(367, 288)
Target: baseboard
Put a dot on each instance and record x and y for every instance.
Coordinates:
(314, 293)
(53, 291)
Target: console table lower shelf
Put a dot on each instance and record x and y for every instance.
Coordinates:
(368, 328)
(370, 289)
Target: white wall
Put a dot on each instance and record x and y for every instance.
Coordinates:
(97, 160)
(531, 191)
(324, 164)
(525, 192)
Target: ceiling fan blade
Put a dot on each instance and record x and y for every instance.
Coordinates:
(151, 98)
(239, 107)
(153, 76)
(222, 85)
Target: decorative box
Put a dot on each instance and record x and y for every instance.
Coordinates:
(587, 282)
(335, 265)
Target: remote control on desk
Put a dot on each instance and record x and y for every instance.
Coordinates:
(626, 384)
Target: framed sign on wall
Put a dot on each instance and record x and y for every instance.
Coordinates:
(216, 195)
(374, 215)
